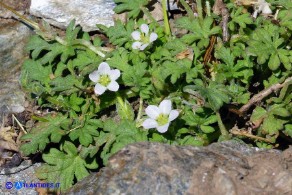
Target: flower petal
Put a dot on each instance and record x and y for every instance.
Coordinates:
(149, 123)
(136, 35)
(173, 115)
(165, 106)
(144, 46)
(136, 45)
(152, 111)
(104, 68)
(94, 76)
(266, 9)
(163, 129)
(113, 86)
(144, 28)
(99, 89)
(153, 37)
(114, 74)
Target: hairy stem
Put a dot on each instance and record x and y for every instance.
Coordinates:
(120, 100)
(200, 9)
(149, 15)
(222, 128)
(165, 18)
(140, 109)
(188, 9)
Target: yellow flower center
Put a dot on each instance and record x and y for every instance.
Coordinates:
(162, 119)
(104, 80)
(144, 39)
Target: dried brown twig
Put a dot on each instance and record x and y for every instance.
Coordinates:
(262, 94)
(219, 8)
(245, 133)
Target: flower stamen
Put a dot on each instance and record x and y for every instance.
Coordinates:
(104, 80)
(162, 119)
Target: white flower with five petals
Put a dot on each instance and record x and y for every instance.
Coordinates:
(142, 37)
(160, 117)
(105, 78)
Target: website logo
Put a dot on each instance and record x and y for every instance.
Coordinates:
(9, 185)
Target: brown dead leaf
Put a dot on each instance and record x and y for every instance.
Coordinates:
(7, 139)
(7, 134)
(246, 2)
(188, 53)
(8, 145)
(42, 191)
(46, 191)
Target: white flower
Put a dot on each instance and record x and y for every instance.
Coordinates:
(105, 78)
(142, 37)
(160, 117)
(262, 7)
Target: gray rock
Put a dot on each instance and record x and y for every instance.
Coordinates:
(13, 38)
(221, 168)
(172, 5)
(87, 13)
(24, 173)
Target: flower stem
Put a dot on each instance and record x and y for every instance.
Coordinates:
(120, 99)
(165, 18)
(208, 8)
(81, 42)
(224, 132)
(200, 9)
(140, 109)
(148, 14)
(188, 9)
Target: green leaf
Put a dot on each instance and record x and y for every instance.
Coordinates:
(288, 130)
(238, 18)
(176, 69)
(57, 84)
(191, 141)
(72, 31)
(198, 30)
(207, 129)
(33, 71)
(285, 17)
(119, 34)
(285, 3)
(39, 136)
(36, 44)
(214, 93)
(55, 50)
(85, 132)
(272, 119)
(116, 135)
(201, 118)
(258, 114)
(125, 110)
(267, 45)
(75, 102)
(135, 77)
(64, 166)
(133, 7)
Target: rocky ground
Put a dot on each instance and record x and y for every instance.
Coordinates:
(220, 168)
